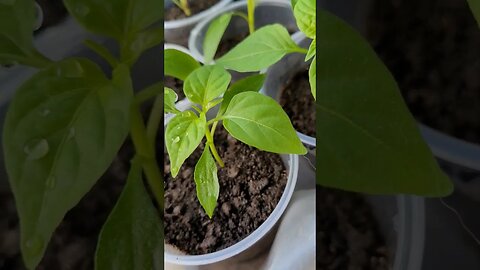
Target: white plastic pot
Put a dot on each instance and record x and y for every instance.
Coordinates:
(253, 244)
(266, 12)
(281, 72)
(177, 31)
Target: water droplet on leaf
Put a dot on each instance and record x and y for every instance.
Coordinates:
(34, 244)
(176, 139)
(36, 149)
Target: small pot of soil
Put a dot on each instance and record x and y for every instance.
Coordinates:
(177, 25)
(368, 232)
(287, 82)
(435, 60)
(255, 189)
(266, 12)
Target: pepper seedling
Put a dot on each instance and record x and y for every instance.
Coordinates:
(250, 117)
(184, 6)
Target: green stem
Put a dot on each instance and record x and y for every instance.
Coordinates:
(102, 51)
(251, 15)
(212, 148)
(300, 50)
(155, 119)
(146, 152)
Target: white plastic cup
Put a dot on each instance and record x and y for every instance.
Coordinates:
(177, 31)
(253, 244)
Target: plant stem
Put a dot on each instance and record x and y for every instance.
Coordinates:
(212, 147)
(146, 152)
(251, 15)
(102, 51)
(154, 119)
(300, 50)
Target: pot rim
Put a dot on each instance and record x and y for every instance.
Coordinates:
(256, 235)
(169, 25)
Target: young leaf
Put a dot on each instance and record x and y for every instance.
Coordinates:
(170, 97)
(312, 50)
(17, 19)
(475, 7)
(251, 83)
(178, 64)
(63, 129)
(259, 121)
(132, 237)
(214, 35)
(118, 19)
(260, 50)
(312, 74)
(206, 83)
(368, 140)
(206, 181)
(182, 136)
(305, 16)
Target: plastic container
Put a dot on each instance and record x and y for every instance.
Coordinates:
(266, 12)
(253, 244)
(281, 72)
(177, 31)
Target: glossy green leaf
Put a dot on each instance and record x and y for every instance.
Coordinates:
(263, 48)
(293, 3)
(368, 141)
(206, 83)
(259, 121)
(214, 34)
(182, 136)
(312, 50)
(170, 97)
(251, 83)
(178, 64)
(206, 182)
(17, 20)
(305, 16)
(475, 7)
(118, 19)
(132, 237)
(312, 74)
(62, 131)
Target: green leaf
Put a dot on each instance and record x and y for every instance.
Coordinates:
(214, 35)
(293, 3)
(134, 45)
(118, 19)
(62, 131)
(263, 48)
(206, 83)
(170, 97)
(475, 7)
(312, 50)
(312, 74)
(259, 121)
(182, 136)
(132, 237)
(368, 141)
(206, 181)
(251, 83)
(178, 64)
(17, 20)
(304, 12)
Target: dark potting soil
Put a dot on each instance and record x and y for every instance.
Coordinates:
(196, 6)
(348, 236)
(251, 184)
(297, 101)
(176, 85)
(435, 60)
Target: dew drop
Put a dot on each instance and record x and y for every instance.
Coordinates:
(51, 182)
(82, 10)
(176, 140)
(34, 244)
(36, 149)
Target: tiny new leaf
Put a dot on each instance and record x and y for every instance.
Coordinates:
(178, 64)
(132, 237)
(182, 136)
(62, 130)
(206, 181)
(206, 83)
(368, 141)
(170, 97)
(214, 35)
(259, 121)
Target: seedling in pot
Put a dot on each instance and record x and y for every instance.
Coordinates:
(248, 116)
(184, 6)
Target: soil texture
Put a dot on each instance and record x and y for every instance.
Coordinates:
(196, 6)
(176, 85)
(251, 184)
(297, 101)
(348, 237)
(435, 60)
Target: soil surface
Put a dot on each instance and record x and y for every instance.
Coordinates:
(348, 237)
(196, 6)
(434, 58)
(176, 85)
(251, 184)
(297, 101)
